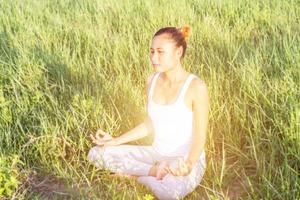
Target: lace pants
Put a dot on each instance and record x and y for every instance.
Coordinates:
(137, 160)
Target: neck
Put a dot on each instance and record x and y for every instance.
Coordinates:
(174, 75)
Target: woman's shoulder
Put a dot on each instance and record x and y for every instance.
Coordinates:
(197, 81)
(197, 84)
(199, 92)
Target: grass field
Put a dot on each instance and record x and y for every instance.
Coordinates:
(70, 67)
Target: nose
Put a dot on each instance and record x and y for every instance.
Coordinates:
(154, 58)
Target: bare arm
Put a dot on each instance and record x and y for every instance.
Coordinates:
(200, 120)
(200, 106)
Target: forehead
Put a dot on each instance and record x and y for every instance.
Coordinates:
(162, 42)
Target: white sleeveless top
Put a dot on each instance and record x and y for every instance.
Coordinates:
(173, 123)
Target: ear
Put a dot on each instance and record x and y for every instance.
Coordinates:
(179, 51)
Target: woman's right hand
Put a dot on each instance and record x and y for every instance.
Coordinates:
(161, 171)
(106, 140)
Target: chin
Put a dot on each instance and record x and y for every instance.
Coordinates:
(158, 69)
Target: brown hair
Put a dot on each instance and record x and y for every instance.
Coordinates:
(179, 35)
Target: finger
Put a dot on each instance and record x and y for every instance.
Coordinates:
(92, 137)
(101, 132)
(95, 141)
(180, 168)
(176, 173)
(188, 167)
(183, 166)
(97, 136)
(167, 169)
(173, 172)
(179, 165)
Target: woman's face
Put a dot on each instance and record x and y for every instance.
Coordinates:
(164, 55)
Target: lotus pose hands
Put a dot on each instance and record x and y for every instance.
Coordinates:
(184, 168)
(106, 140)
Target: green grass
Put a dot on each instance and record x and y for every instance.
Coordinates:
(70, 67)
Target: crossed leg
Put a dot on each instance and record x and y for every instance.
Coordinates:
(124, 160)
(175, 187)
(135, 161)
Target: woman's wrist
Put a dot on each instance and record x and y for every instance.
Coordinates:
(116, 141)
(190, 163)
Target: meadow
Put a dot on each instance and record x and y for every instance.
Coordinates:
(70, 67)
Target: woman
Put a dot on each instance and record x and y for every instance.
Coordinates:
(178, 105)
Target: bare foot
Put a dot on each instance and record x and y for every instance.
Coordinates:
(161, 171)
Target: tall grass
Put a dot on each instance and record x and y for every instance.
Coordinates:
(70, 67)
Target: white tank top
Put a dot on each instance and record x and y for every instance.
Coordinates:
(173, 123)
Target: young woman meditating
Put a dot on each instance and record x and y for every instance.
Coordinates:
(178, 105)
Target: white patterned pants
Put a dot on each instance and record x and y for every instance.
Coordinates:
(137, 160)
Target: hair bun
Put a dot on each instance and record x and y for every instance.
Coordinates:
(185, 30)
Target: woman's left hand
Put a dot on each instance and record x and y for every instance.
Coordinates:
(184, 168)
(106, 140)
